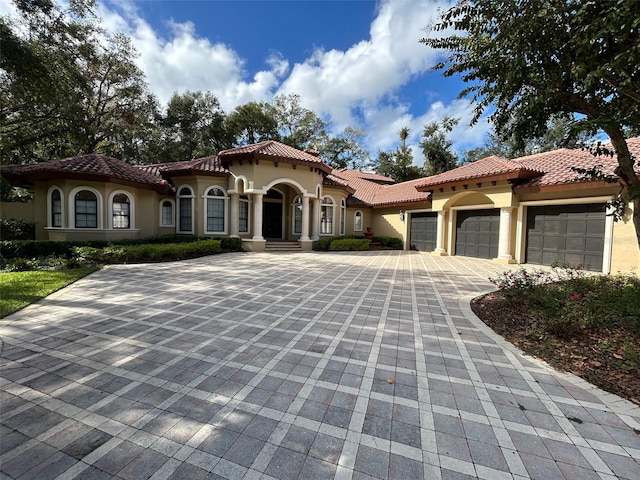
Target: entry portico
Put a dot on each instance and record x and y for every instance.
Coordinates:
(282, 187)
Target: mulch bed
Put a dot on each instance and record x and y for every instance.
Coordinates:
(601, 356)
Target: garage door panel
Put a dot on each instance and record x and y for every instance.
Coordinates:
(571, 234)
(576, 227)
(423, 231)
(477, 233)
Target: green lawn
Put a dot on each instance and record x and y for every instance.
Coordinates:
(19, 289)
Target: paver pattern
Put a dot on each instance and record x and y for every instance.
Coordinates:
(293, 366)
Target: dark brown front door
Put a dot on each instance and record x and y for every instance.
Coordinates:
(272, 221)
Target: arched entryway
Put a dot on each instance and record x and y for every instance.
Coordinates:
(273, 215)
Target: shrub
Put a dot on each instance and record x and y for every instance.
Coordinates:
(323, 244)
(13, 229)
(394, 243)
(231, 244)
(344, 244)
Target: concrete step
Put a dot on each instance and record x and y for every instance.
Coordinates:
(276, 246)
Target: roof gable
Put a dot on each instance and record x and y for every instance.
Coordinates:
(93, 166)
(274, 151)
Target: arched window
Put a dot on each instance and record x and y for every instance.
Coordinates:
(357, 221)
(243, 213)
(185, 210)
(86, 209)
(297, 215)
(343, 215)
(216, 206)
(327, 210)
(166, 213)
(121, 211)
(56, 209)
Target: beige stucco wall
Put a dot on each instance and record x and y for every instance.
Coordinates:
(387, 221)
(145, 212)
(258, 177)
(18, 211)
(625, 253)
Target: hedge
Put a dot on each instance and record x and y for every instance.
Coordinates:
(145, 253)
(394, 243)
(14, 249)
(351, 244)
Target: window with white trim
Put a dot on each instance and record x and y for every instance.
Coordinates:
(297, 215)
(56, 208)
(243, 214)
(357, 221)
(86, 209)
(327, 213)
(121, 211)
(166, 213)
(216, 202)
(185, 210)
(343, 214)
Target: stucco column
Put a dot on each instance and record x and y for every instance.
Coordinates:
(315, 221)
(234, 214)
(304, 236)
(440, 229)
(257, 216)
(504, 241)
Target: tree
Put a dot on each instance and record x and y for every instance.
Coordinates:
(437, 149)
(398, 164)
(67, 87)
(299, 127)
(193, 126)
(534, 59)
(252, 122)
(345, 150)
(559, 134)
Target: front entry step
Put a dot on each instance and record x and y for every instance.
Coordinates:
(282, 246)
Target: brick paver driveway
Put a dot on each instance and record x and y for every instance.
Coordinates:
(305, 366)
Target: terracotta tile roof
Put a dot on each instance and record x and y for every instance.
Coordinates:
(334, 181)
(557, 164)
(274, 151)
(401, 194)
(368, 192)
(200, 166)
(374, 177)
(487, 168)
(546, 169)
(90, 167)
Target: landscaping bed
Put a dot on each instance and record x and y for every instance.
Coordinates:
(586, 325)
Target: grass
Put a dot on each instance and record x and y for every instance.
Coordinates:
(19, 289)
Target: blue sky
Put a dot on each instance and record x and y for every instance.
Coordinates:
(354, 62)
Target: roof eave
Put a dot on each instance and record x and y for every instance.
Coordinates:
(519, 175)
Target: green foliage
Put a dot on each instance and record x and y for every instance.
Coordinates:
(231, 244)
(252, 122)
(528, 61)
(344, 150)
(323, 244)
(561, 132)
(17, 229)
(349, 244)
(437, 148)
(566, 299)
(193, 126)
(19, 289)
(393, 243)
(399, 164)
(298, 127)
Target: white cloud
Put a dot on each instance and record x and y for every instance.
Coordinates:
(333, 82)
(361, 86)
(187, 61)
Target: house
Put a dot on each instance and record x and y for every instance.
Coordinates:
(532, 209)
